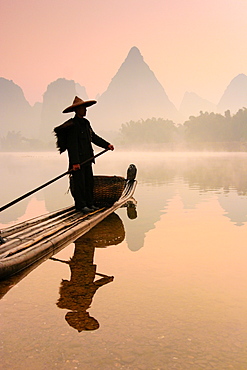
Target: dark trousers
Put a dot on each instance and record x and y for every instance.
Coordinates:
(83, 187)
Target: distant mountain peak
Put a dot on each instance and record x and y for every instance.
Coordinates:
(134, 93)
(134, 54)
(240, 75)
(235, 95)
(192, 104)
(238, 81)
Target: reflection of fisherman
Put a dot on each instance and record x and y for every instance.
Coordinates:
(77, 293)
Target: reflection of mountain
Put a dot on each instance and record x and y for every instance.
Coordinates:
(150, 205)
(191, 199)
(201, 173)
(206, 172)
(21, 174)
(223, 175)
(235, 207)
(217, 172)
(16, 180)
(192, 175)
(77, 293)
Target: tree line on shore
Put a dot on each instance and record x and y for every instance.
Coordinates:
(206, 131)
(212, 131)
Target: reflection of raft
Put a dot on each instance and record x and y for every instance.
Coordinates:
(29, 241)
(106, 233)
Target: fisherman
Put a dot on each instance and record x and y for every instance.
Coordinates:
(76, 136)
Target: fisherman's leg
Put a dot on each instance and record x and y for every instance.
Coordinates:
(89, 185)
(79, 189)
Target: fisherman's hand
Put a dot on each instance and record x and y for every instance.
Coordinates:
(76, 167)
(110, 147)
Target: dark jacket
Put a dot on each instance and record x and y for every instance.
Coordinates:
(79, 138)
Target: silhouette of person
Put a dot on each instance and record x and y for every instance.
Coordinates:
(77, 138)
(77, 293)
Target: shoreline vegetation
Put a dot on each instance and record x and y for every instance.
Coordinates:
(206, 132)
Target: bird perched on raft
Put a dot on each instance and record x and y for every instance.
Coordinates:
(131, 172)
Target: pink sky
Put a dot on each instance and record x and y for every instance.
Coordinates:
(191, 45)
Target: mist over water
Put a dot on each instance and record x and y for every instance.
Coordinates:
(178, 297)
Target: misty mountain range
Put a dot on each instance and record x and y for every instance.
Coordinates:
(134, 93)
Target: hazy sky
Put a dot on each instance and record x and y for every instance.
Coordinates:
(192, 45)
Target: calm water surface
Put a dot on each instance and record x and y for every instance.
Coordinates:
(167, 290)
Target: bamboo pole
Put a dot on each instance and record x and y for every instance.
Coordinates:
(34, 221)
(20, 232)
(47, 183)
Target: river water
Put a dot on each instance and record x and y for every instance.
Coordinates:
(165, 290)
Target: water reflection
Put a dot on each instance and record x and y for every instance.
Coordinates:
(23, 172)
(207, 172)
(77, 293)
(178, 303)
(235, 207)
(153, 203)
(194, 176)
(12, 281)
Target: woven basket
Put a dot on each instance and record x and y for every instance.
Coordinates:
(107, 189)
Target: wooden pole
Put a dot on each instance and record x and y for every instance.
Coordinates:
(46, 184)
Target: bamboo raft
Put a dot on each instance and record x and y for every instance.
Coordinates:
(32, 240)
(108, 232)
